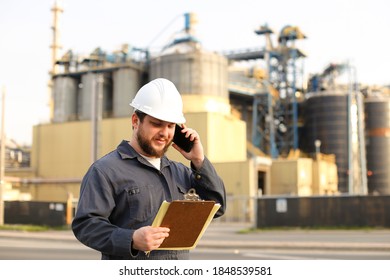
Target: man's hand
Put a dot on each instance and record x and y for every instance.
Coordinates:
(196, 155)
(149, 238)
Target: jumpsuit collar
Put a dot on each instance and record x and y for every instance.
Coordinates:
(126, 151)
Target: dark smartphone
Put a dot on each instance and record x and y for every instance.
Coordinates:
(180, 139)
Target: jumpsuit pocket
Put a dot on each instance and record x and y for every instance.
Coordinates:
(140, 203)
(143, 202)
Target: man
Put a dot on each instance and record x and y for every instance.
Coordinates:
(122, 192)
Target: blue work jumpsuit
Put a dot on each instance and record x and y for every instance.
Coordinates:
(122, 192)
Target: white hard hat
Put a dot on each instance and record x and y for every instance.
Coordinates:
(160, 99)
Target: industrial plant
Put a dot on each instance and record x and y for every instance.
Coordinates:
(272, 134)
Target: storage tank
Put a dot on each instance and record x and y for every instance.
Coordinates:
(98, 82)
(199, 75)
(377, 123)
(326, 119)
(65, 98)
(126, 82)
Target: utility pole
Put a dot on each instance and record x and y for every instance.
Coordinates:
(2, 159)
(96, 113)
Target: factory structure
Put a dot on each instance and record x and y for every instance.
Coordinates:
(267, 130)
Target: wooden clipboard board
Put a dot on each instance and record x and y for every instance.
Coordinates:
(187, 220)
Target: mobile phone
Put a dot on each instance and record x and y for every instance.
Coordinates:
(180, 139)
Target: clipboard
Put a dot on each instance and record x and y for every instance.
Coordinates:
(187, 220)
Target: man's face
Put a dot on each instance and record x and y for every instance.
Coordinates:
(154, 136)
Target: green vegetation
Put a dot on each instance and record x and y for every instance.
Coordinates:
(254, 230)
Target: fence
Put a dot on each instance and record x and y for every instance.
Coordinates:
(35, 213)
(324, 211)
(261, 211)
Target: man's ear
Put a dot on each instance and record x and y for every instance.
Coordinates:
(134, 120)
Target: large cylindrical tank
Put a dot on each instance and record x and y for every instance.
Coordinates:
(377, 123)
(100, 83)
(64, 98)
(126, 82)
(326, 119)
(199, 75)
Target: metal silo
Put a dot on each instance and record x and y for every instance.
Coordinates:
(126, 82)
(377, 121)
(100, 84)
(326, 119)
(195, 72)
(65, 99)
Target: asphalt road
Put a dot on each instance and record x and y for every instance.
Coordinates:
(28, 249)
(220, 242)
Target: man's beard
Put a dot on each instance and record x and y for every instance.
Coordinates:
(146, 145)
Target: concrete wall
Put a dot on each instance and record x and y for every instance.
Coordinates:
(325, 179)
(240, 183)
(291, 176)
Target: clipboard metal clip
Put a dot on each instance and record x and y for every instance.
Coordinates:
(192, 195)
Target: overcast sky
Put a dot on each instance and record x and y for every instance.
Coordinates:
(337, 31)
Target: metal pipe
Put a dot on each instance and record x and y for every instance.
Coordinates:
(2, 158)
(56, 35)
(37, 180)
(350, 151)
(362, 144)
